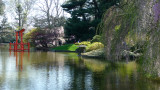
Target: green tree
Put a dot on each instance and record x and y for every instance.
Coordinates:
(1, 7)
(6, 35)
(85, 16)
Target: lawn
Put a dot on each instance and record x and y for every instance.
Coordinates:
(67, 47)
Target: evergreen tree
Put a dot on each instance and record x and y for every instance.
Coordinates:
(85, 16)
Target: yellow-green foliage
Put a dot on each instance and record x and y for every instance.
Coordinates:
(96, 38)
(94, 46)
(83, 43)
(18, 28)
(91, 46)
(28, 36)
(127, 69)
(117, 27)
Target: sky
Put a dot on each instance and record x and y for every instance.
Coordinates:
(34, 13)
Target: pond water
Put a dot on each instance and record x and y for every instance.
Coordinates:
(66, 71)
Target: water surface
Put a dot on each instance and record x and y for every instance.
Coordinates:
(66, 71)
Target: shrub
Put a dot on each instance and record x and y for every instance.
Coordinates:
(83, 43)
(28, 36)
(96, 38)
(94, 46)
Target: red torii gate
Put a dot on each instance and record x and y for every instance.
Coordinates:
(15, 44)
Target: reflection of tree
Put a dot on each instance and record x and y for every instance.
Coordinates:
(83, 76)
(47, 59)
(3, 57)
(78, 80)
(120, 76)
(95, 66)
(105, 75)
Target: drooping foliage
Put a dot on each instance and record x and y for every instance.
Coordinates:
(85, 16)
(118, 23)
(151, 57)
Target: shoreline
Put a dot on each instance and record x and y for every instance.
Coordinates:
(82, 54)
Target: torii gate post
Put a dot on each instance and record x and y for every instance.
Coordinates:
(16, 44)
(21, 35)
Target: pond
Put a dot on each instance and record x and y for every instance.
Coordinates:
(67, 71)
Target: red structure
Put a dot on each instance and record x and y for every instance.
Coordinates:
(21, 44)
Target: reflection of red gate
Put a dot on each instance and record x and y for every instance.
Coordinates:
(21, 44)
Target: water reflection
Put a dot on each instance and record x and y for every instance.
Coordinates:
(66, 71)
(19, 56)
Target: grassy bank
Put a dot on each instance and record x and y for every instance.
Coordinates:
(93, 50)
(68, 47)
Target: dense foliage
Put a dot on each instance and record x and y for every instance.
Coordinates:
(85, 16)
(94, 46)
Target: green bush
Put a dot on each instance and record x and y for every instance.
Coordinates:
(94, 46)
(96, 38)
(7, 38)
(83, 43)
(28, 36)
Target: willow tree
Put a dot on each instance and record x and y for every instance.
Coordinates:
(133, 26)
(118, 22)
(151, 57)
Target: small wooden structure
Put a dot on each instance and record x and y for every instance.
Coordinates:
(21, 44)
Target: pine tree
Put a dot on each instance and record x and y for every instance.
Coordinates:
(85, 16)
